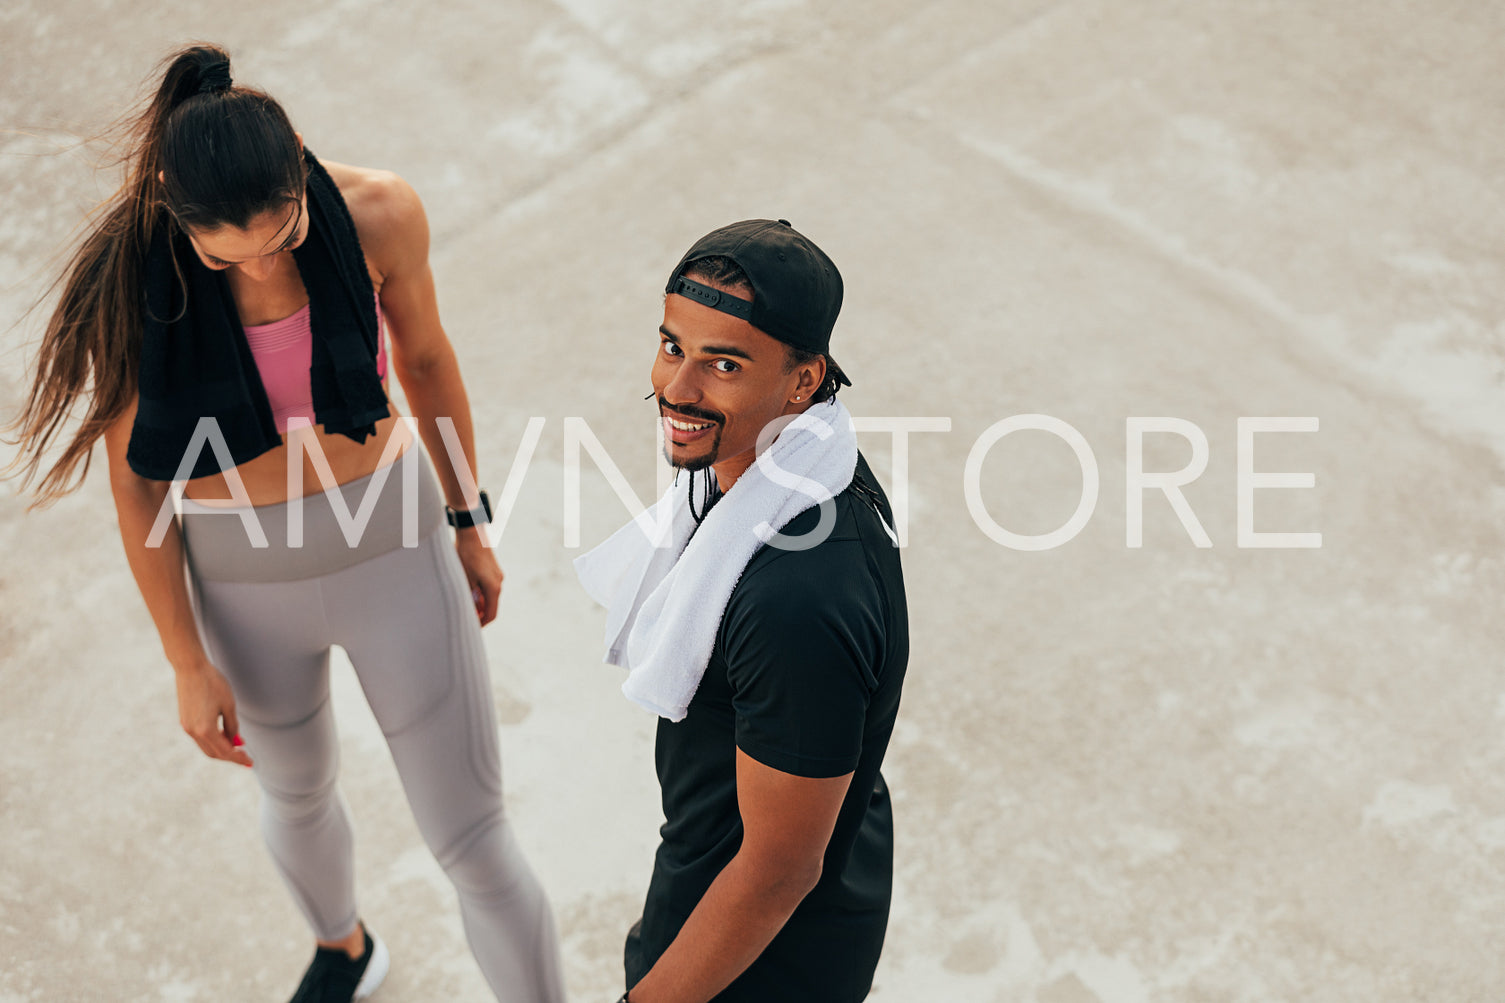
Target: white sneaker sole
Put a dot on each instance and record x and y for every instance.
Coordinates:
(376, 970)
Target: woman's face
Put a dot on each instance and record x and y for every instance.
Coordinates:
(256, 250)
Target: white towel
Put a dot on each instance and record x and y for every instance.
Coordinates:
(664, 602)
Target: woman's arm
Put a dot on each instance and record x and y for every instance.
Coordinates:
(424, 360)
(206, 707)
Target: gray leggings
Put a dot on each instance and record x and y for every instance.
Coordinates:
(405, 617)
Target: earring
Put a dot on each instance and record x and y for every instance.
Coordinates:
(797, 400)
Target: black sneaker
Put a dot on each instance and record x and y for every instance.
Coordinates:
(334, 978)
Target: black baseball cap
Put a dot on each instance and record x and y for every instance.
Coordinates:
(796, 287)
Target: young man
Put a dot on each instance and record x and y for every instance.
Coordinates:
(767, 626)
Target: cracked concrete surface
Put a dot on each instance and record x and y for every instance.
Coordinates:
(1120, 775)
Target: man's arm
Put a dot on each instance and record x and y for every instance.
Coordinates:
(786, 823)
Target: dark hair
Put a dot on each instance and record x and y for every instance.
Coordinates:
(228, 154)
(717, 269)
(225, 155)
(798, 357)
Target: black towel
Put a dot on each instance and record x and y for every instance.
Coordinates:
(196, 363)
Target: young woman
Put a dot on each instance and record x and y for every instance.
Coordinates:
(238, 279)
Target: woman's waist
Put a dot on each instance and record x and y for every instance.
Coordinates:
(399, 504)
(308, 462)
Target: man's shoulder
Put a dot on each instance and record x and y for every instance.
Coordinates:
(815, 563)
(804, 543)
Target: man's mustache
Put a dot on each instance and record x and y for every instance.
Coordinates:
(691, 411)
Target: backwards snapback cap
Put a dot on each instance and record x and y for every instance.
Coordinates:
(796, 288)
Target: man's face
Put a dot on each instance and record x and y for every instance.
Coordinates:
(719, 380)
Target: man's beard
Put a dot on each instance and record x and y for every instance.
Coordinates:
(699, 462)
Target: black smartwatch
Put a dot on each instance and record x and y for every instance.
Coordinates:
(467, 519)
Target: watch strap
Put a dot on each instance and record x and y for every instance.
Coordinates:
(468, 518)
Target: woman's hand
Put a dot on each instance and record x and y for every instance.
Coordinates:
(206, 709)
(482, 572)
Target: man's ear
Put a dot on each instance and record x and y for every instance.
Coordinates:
(812, 376)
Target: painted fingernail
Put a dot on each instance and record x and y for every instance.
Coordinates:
(237, 741)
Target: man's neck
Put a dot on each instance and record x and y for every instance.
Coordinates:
(727, 471)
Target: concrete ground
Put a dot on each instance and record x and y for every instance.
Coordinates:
(1121, 774)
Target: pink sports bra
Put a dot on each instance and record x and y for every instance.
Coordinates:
(284, 349)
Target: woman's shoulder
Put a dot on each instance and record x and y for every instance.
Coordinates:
(386, 211)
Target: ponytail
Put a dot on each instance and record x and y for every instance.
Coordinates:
(92, 343)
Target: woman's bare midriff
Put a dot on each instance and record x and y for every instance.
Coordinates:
(266, 477)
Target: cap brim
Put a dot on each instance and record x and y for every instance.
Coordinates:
(841, 374)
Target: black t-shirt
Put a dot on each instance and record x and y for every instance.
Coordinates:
(805, 678)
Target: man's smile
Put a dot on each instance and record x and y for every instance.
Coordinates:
(683, 431)
(686, 426)
(681, 428)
